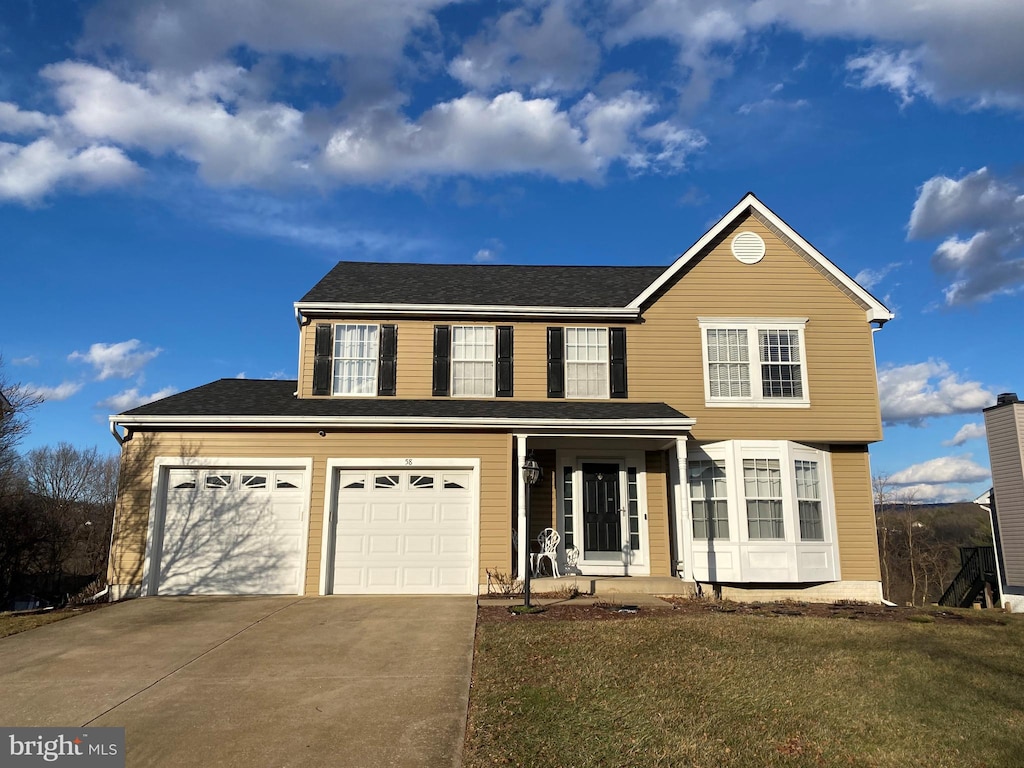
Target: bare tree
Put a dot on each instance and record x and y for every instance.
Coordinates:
(884, 492)
(75, 490)
(15, 403)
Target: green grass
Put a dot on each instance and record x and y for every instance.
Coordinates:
(11, 624)
(715, 690)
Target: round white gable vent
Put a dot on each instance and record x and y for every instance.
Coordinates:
(748, 247)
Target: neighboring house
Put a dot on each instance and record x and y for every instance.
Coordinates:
(708, 420)
(1004, 428)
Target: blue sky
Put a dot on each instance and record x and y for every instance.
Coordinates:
(173, 176)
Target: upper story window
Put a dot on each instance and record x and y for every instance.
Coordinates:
(473, 357)
(472, 361)
(756, 362)
(354, 359)
(356, 352)
(586, 362)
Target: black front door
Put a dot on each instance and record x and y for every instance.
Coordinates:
(601, 519)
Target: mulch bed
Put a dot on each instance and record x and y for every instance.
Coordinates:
(570, 611)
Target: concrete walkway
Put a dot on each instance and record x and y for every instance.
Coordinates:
(261, 681)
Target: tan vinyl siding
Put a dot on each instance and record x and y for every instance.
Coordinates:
(543, 496)
(658, 536)
(1005, 428)
(665, 358)
(494, 450)
(664, 351)
(855, 513)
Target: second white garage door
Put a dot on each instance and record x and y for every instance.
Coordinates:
(404, 532)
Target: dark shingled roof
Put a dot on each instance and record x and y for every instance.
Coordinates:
(365, 282)
(251, 397)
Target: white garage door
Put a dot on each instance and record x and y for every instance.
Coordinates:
(233, 531)
(404, 532)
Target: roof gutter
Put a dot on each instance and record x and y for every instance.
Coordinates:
(466, 310)
(350, 422)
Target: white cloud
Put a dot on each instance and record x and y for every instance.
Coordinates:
(474, 135)
(121, 360)
(978, 200)
(769, 105)
(936, 493)
(484, 256)
(28, 173)
(15, 121)
(946, 50)
(989, 262)
(971, 431)
(240, 375)
(899, 72)
(955, 50)
(945, 469)
(203, 117)
(704, 35)
(911, 394)
(869, 278)
(191, 33)
(132, 398)
(62, 391)
(544, 52)
(30, 360)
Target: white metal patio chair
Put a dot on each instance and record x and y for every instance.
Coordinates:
(548, 541)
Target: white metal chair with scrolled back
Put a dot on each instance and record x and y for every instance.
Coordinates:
(548, 541)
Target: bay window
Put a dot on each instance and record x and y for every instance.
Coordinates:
(760, 511)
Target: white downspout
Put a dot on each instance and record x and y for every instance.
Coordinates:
(113, 430)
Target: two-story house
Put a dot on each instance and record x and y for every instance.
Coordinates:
(709, 419)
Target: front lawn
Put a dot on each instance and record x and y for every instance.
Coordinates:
(709, 688)
(13, 623)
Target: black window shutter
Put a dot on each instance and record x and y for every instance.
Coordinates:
(503, 383)
(556, 363)
(617, 358)
(442, 360)
(386, 372)
(322, 359)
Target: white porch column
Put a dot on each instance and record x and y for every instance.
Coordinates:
(523, 534)
(679, 479)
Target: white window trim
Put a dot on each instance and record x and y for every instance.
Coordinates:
(752, 325)
(452, 361)
(607, 392)
(334, 359)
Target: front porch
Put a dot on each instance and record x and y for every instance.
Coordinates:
(609, 500)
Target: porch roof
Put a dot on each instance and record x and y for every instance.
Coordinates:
(248, 401)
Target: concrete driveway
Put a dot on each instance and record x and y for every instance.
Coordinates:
(257, 681)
